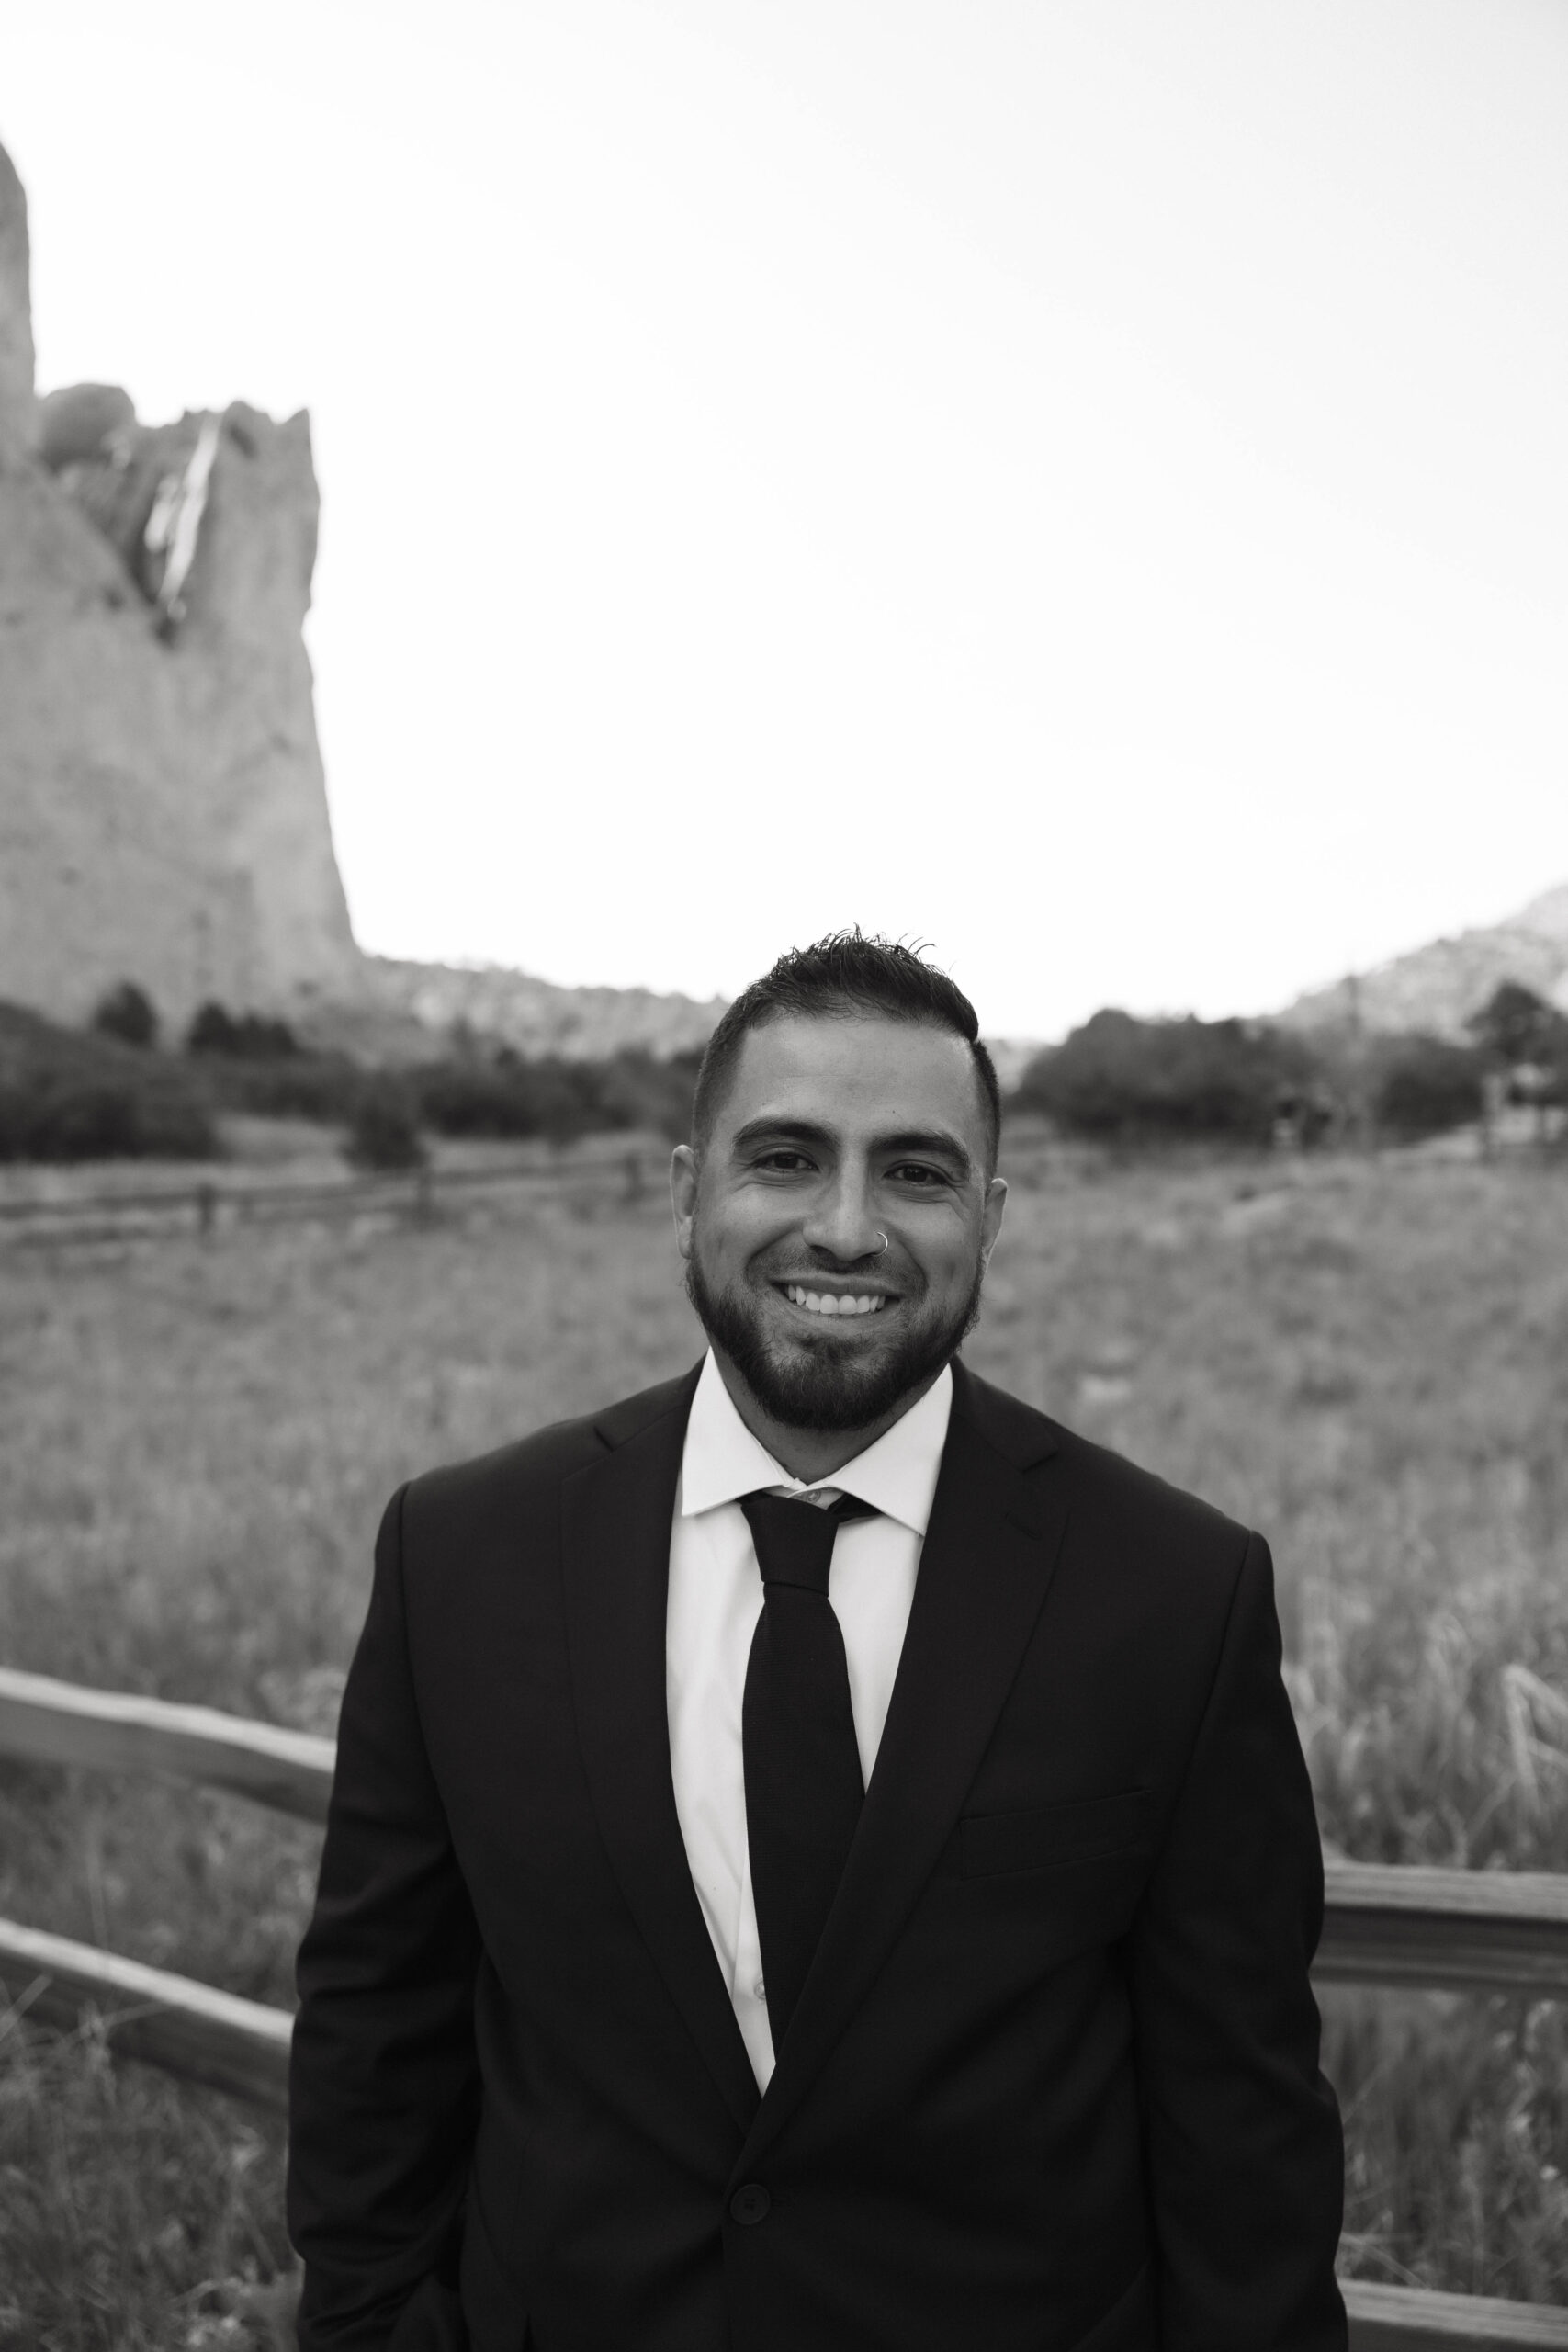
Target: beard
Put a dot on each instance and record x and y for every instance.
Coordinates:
(815, 1385)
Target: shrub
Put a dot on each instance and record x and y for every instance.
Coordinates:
(127, 1012)
(66, 1096)
(51, 1119)
(1426, 1086)
(248, 1036)
(511, 1097)
(640, 1090)
(384, 1128)
(325, 1087)
(507, 1096)
(476, 1099)
(1121, 1078)
(55, 1118)
(254, 1064)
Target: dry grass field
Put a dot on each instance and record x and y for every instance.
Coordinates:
(1367, 1359)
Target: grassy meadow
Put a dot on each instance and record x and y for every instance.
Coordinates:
(1366, 1358)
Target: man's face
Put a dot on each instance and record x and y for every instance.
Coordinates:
(835, 1132)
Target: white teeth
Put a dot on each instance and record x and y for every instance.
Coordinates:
(830, 1302)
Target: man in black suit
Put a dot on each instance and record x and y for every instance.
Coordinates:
(821, 1859)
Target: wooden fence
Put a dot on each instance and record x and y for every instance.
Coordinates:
(413, 1197)
(1465, 1931)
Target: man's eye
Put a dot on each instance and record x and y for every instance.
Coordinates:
(784, 1163)
(911, 1172)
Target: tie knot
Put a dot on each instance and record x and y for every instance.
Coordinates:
(795, 1539)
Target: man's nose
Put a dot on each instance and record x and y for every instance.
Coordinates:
(842, 1222)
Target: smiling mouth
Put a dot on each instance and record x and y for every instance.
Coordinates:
(832, 1303)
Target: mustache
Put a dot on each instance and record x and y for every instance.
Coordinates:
(810, 1274)
(872, 1268)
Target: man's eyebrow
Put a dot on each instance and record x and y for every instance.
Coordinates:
(929, 1140)
(782, 1130)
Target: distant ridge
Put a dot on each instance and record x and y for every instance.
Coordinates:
(406, 1011)
(1440, 987)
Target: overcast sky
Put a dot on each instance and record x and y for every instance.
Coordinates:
(1086, 485)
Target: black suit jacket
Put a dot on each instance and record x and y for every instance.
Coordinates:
(1053, 2080)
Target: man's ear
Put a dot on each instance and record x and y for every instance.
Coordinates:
(991, 1215)
(683, 1174)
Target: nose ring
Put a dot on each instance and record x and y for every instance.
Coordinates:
(881, 1251)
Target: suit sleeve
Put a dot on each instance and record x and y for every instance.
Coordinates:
(1246, 2158)
(383, 2086)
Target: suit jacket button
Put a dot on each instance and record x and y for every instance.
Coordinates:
(750, 2204)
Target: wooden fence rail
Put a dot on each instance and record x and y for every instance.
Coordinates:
(230, 2045)
(1415, 2318)
(45, 1722)
(1471, 1930)
(207, 1205)
(1489, 1931)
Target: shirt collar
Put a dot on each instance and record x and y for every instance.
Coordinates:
(897, 1474)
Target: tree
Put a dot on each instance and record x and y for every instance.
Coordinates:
(1120, 1077)
(1517, 1025)
(127, 1012)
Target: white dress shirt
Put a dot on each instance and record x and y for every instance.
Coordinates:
(716, 1598)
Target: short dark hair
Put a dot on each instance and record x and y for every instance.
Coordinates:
(833, 979)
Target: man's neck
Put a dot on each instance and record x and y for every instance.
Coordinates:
(811, 1455)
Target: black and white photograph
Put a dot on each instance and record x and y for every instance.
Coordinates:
(784, 1176)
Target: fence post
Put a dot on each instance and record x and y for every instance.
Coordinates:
(423, 1196)
(206, 1209)
(634, 1191)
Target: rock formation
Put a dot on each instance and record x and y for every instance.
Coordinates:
(163, 811)
(1440, 987)
(16, 314)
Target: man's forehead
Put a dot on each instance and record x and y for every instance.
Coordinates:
(858, 1069)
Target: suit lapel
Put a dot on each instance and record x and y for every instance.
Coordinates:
(616, 1566)
(985, 1567)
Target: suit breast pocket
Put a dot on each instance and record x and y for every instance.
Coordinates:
(1053, 1837)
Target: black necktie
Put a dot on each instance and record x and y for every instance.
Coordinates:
(804, 1789)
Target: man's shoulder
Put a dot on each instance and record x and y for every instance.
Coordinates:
(538, 1463)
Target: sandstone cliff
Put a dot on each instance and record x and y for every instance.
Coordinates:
(162, 813)
(16, 314)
